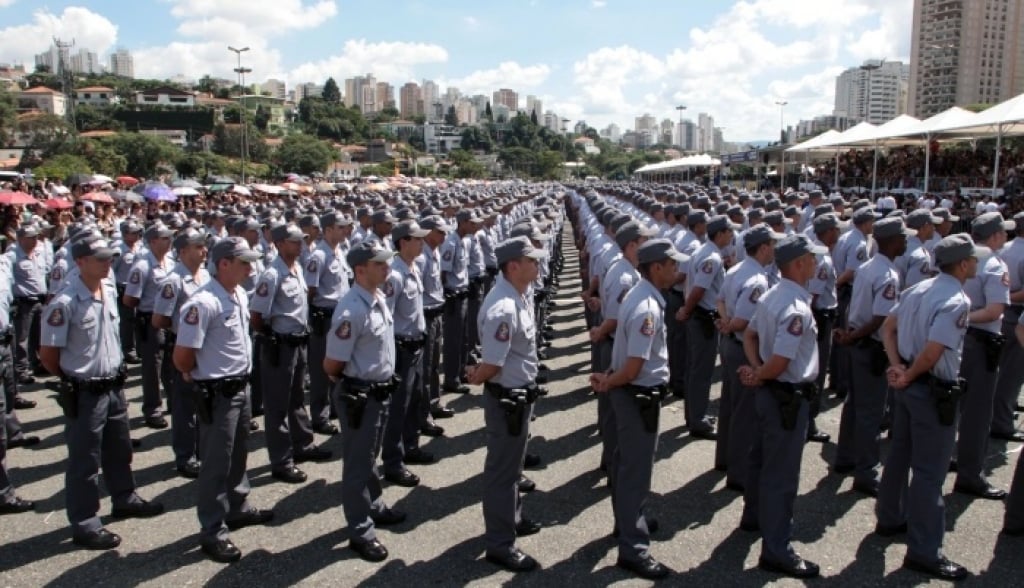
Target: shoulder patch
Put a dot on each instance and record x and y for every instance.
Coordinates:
(1006, 279)
(344, 330)
(167, 292)
(447, 255)
(134, 278)
(796, 326)
(192, 316)
(502, 332)
(262, 289)
(707, 267)
(647, 327)
(56, 318)
(389, 289)
(755, 295)
(311, 266)
(862, 255)
(56, 274)
(961, 322)
(890, 292)
(822, 273)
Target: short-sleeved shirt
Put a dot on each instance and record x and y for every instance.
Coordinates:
(123, 263)
(403, 292)
(215, 323)
(455, 262)
(706, 271)
(875, 292)
(785, 327)
(281, 298)
(687, 244)
(488, 240)
(641, 333)
(850, 251)
(619, 280)
(476, 266)
(176, 289)
(327, 271)
(990, 286)
(1013, 256)
(916, 264)
(743, 287)
(29, 271)
(429, 264)
(86, 330)
(58, 273)
(508, 335)
(823, 284)
(145, 278)
(935, 310)
(363, 336)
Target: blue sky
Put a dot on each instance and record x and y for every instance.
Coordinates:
(602, 61)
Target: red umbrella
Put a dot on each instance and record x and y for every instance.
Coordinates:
(57, 204)
(127, 180)
(101, 197)
(17, 198)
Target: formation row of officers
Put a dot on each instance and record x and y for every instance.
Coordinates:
(362, 312)
(920, 330)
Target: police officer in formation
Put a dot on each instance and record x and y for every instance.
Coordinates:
(10, 502)
(1011, 364)
(360, 359)
(128, 247)
(80, 345)
(29, 267)
(429, 266)
(455, 278)
(826, 229)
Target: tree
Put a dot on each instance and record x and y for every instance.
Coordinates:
(533, 116)
(303, 154)
(45, 136)
(8, 116)
(488, 113)
(261, 119)
(62, 166)
(451, 117)
(331, 93)
(92, 118)
(103, 158)
(143, 153)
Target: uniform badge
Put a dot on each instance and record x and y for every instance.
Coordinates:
(1006, 279)
(311, 266)
(822, 273)
(56, 318)
(647, 327)
(56, 274)
(447, 256)
(134, 278)
(622, 295)
(796, 326)
(262, 289)
(890, 292)
(192, 316)
(344, 330)
(961, 322)
(502, 334)
(862, 255)
(707, 267)
(167, 292)
(755, 295)
(389, 289)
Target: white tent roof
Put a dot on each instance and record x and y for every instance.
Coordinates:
(953, 118)
(852, 136)
(816, 143)
(893, 132)
(1007, 116)
(702, 160)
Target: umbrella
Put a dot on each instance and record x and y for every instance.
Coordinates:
(127, 180)
(155, 191)
(290, 186)
(125, 196)
(101, 179)
(185, 191)
(57, 204)
(241, 190)
(60, 190)
(17, 198)
(100, 197)
(78, 179)
(185, 184)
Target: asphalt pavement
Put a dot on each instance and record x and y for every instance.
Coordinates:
(441, 542)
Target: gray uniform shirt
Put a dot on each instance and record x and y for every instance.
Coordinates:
(619, 280)
(86, 330)
(991, 285)
(281, 298)
(706, 271)
(403, 292)
(123, 263)
(785, 327)
(915, 265)
(215, 323)
(508, 335)
(326, 271)
(429, 264)
(875, 292)
(363, 336)
(145, 278)
(823, 284)
(641, 333)
(29, 271)
(936, 310)
(743, 287)
(455, 262)
(177, 288)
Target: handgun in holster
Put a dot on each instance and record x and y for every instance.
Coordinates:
(204, 403)
(67, 398)
(993, 350)
(879, 360)
(319, 321)
(514, 401)
(271, 346)
(947, 396)
(789, 404)
(648, 400)
(707, 321)
(355, 403)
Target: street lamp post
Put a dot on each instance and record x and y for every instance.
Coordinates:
(870, 67)
(241, 71)
(782, 142)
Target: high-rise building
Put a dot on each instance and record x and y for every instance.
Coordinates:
(122, 64)
(534, 105)
(276, 89)
(965, 52)
(665, 132)
(308, 90)
(509, 98)
(85, 62)
(875, 91)
(645, 123)
(431, 99)
(410, 99)
(686, 136)
(53, 57)
(552, 121)
(705, 140)
(612, 132)
(361, 91)
(385, 95)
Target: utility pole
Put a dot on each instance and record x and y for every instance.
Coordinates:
(67, 79)
(241, 71)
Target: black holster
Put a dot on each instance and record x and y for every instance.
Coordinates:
(515, 402)
(707, 321)
(946, 395)
(271, 346)
(204, 403)
(879, 359)
(648, 400)
(67, 398)
(992, 344)
(170, 340)
(319, 320)
(788, 396)
(142, 322)
(355, 406)
(357, 393)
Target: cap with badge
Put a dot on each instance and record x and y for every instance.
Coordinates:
(631, 231)
(517, 248)
(891, 226)
(382, 216)
(365, 252)
(286, 232)
(657, 250)
(233, 247)
(986, 225)
(93, 247)
(434, 223)
(827, 222)
(794, 247)
(956, 248)
(760, 234)
(158, 231)
(408, 229)
(188, 237)
(921, 217)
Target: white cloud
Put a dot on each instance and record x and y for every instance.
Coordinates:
(194, 60)
(508, 74)
(471, 22)
(599, 3)
(200, 18)
(89, 30)
(6, 3)
(391, 62)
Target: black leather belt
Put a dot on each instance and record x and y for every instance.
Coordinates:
(99, 385)
(30, 299)
(411, 343)
(432, 313)
(228, 386)
(293, 339)
(803, 389)
(456, 295)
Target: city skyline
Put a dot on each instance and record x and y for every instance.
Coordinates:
(733, 60)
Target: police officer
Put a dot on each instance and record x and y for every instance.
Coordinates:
(361, 355)
(29, 268)
(916, 264)
(705, 275)
(824, 303)
(781, 346)
(924, 340)
(10, 503)
(214, 354)
(129, 246)
(508, 370)
(636, 385)
(382, 222)
(326, 275)
(403, 292)
(875, 292)
(429, 265)
(144, 282)
(455, 277)
(989, 293)
(188, 275)
(1011, 365)
(852, 249)
(743, 287)
(279, 311)
(79, 344)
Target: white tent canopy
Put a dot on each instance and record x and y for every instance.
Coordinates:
(852, 136)
(816, 143)
(893, 132)
(702, 160)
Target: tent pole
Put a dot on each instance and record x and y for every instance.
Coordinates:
(874, 174)
(927, 159)
(836, 180)
(995, 171)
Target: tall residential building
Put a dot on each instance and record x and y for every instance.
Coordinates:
(361, 91)
(122, 64)
(612, 132)
(480, 103)
(875, 91)
(507, 97)
(686, 135)
(53, 57)
(965, 52)
(705, 133)
(535, 105)
(645, 123)
(665, 131)
(276, 89)
(308, 90)
(85, 62)
(552, 121)
(410, 99)
(385, 95)
(718, 141)
(431, 97)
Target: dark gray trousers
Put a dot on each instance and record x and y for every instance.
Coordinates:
(700, 363)
(223, 485)
(503, 466)
(361, 492)
(630, 471)
(455, 318)
(975, 414)
(859, 426)
(285, 418)
(402, 431)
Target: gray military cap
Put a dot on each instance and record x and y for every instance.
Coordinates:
(945, 214)
(93, 247)
(382, 216)
(309, 220)
(434, 223)
(892, 227)
(529, 231)
(696, 217)
(984, 226)
(188, 237)
(516, 248)
(286, 232)
(467, 215)
(863, 215)
(721, 223)
(364, 252)
(408, 229)
(158, 231)
(632, 231)
(233, 247)
(130, 226)
(760, 234)
(795, 246)
(827, 222)
(657, 250)
(28, 231)
(921, 217)
(956, 248)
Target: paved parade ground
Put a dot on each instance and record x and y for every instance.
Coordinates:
(441, 542)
